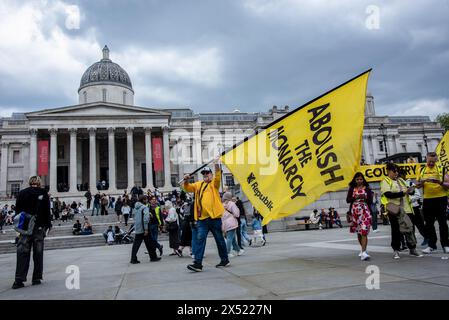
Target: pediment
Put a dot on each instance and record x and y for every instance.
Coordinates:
(103, 110)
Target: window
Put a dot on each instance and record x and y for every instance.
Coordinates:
(404, 147)
(104, 95)
(85, 96)
(15, 188)
(190, 152)
(381, 146)
(124, 97)
(61, 152)
(16, 156)
(229, 180)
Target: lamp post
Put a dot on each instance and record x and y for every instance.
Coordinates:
(425, 142)
(383, 131)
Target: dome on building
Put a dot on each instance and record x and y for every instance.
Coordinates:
(105, 72)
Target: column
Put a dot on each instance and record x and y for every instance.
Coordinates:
(167, 171)
(130, 160)
(73, 165)
(53, 160)
(111, 159)
(92, 161)
(149, 158)
(4, 169)
(33, 152)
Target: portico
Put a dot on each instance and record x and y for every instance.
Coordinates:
(100, 142)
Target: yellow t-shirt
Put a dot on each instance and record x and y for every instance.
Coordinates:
(432, 190)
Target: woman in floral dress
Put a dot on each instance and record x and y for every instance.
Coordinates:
(360, 197)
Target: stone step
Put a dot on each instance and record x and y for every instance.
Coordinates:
(65, 242)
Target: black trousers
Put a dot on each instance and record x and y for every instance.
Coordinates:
(88, 204)
(104, 211)
(24, 245)
(418, 221)
(435, 209)
(149, 244)
(396, 234)
(239, 234)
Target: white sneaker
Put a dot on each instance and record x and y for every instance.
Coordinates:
(360, 253)
(365, 256)
(446, 249)
(396, 255)
(231, 255)
(241, 252)
(428, 250)
(375, 231)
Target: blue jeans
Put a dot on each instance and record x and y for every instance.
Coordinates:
(204, 226)
(231, 241)
(154, 231)
(243, 229)
(96, 207)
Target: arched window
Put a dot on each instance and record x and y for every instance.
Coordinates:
(104, 95)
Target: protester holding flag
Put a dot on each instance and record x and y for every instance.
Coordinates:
(360, 198)
(435, 183)
(208, 212)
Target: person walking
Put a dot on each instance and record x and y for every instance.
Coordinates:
(33, 201)
(416, 199)
(230, 225)
(360, 197)
(126, 210)
(141, 225)
(435, 183)
(104, 205)
(186, 234)
(243, 223)
(156, 222)
(208, 213)
(399, 208)
(118, 209)
(96, 205)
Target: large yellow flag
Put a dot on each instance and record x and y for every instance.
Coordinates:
(442, 151)
(314, 149)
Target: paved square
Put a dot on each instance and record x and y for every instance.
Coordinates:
(318, 264)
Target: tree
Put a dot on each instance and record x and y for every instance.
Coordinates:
(443, 119)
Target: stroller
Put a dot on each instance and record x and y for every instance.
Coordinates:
(126, 237)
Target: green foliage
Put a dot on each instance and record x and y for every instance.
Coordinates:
(443, 119)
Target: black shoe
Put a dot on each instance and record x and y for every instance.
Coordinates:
(160, 250)
(195, 267)
(222, 264)
(17, 285)
(155, 259)
(250, 242)
(179, 253)
(36, 282)
(134, 262)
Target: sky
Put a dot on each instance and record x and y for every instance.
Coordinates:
(218, 56)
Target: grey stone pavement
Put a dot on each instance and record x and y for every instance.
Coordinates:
(317, 264)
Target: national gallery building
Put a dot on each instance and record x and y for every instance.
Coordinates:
(107, 142)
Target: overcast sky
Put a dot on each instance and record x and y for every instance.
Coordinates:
(220, 55)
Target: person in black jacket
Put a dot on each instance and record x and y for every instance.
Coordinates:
(35, 201)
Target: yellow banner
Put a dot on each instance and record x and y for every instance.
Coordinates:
(374, 173)
(312, 150)
(442, 151)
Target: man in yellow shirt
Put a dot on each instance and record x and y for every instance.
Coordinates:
(208, 210)
(436, 184)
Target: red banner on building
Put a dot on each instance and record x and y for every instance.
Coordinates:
(42, 162)
(157, 154)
